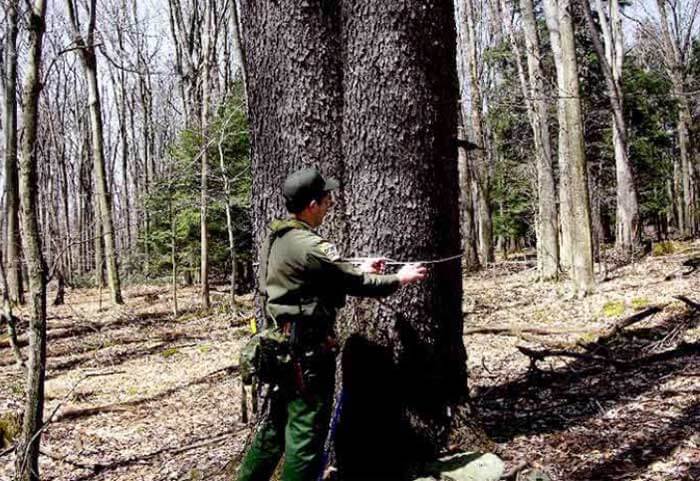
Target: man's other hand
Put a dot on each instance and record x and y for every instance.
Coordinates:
(411, 273)
(373, 265)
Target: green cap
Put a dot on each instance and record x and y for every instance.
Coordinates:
(305, 185)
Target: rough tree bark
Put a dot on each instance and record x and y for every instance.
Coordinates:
(294, 99)
(11, 235)
(89, 62)
(404, 363)
(27, 458)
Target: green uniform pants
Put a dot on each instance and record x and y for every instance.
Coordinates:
(297, 427)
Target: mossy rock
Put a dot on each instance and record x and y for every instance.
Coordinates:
(469, 466)
(10, 427)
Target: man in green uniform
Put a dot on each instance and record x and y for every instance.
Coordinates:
(305, 282)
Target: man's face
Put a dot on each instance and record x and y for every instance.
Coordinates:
(320, 208)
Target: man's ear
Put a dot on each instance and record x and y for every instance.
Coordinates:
(313, 204)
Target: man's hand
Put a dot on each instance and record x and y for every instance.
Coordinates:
(373, 265)
(411, 273)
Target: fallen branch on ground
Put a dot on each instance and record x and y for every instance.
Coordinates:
(545, 353)
(689, 302)
(521, 332)
(693, 263)
(517, 331)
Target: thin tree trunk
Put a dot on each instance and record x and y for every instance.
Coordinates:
(478, 156)
(471, 256)
(12, 238)
(89, 61)
(204, 124)
(467, 201)
(173, 254)
(675, 55)
(99, 253)
(27, 459)
(10, 319)
(239, 47)
(229, 220)
(551, 9)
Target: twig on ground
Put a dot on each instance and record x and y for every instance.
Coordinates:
(8, 450)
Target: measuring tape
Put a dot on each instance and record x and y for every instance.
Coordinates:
(392, 262)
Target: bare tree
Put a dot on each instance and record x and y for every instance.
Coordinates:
(466, 168)
(610, 55)
(12, 238)
(88, 58)
(27, 459)
(466, 15)
(532, 85)
(677, 23)
(577, 244)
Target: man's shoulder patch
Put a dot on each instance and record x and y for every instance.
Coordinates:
(330, 250)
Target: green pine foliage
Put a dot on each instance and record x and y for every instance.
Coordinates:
(650, 113)
(174, 201)
(513, 184)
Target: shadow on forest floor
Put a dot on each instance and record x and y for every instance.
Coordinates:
(81, 343)
(623, 368)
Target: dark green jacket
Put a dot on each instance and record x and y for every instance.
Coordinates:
(307, 281)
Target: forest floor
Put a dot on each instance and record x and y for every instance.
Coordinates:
(136, 394)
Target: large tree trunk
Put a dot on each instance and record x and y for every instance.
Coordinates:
(546, 221)
(580, 212)
(89, 61)
(551, 9)
(294, 99)
(28, 448)
(11, 240)
(610, 55)
(404, 362)
(577, 243)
